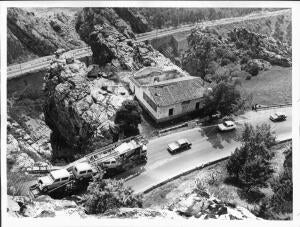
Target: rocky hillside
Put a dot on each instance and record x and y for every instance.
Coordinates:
(31, 33)
(210, 53)
(192, 205)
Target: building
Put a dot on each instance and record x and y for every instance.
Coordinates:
(166, 95)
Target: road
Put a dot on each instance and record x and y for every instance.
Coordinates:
(207, 145)
(17, 70)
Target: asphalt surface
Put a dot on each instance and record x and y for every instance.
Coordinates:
(208, 144)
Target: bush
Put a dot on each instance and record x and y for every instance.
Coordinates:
(129, 117)
(103, 195)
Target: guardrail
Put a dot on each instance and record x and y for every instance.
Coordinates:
(274, 106)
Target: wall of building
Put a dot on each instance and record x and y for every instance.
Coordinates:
(179, 109)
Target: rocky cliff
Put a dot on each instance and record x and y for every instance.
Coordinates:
(31, 34)
(78, 110)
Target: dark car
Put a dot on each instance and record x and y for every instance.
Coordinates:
(179, 145)
(278, 117)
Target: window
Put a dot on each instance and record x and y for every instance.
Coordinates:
(171, 112)
(197, 105)
(76, 169)
(89, 171)
(82, 172)
(65, 178)
(57, 180)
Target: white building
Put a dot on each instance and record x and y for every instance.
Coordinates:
(167, 94)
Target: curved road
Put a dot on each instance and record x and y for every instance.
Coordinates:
(43, 62)
(207, 145)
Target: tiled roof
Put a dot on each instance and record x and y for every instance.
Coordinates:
(177, 92)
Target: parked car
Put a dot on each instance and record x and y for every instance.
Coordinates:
(278, 117)
(179, 145)
(227, 126)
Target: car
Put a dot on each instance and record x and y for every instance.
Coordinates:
(54, 179)
(83, 171)
(278, 117)
(179, 145)
(227, 126)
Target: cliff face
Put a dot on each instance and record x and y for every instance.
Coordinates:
(79, 111)
(137, 21)
(37, 35)
(113, 42)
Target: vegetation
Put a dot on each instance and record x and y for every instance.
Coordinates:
(129, 117)
(249, 165)
(166, 17)
(224, 97)
(103, 195)
(280, 205)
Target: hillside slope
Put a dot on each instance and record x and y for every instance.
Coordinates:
(31, 33)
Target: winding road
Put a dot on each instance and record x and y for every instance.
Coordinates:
(17, 70)
(207, 145)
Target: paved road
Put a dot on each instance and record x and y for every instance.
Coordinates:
(207, 145)
(43, 62)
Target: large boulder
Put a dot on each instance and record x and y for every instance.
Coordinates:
(78, 110)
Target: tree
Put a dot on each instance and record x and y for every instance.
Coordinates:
(224, 97)
(255, 173)
(129, 117)
(250, 163)
(103, 195)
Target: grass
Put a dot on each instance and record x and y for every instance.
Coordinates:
(216, 182)
(270, 87)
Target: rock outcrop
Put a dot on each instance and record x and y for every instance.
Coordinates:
(113, 43)
(210, 51)
(262, 47)
(37, 35)
(137, 21)
(78, 110)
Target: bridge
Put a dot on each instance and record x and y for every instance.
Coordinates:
(17, 70)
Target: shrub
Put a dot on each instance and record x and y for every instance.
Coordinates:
(128, 117)
(103, 195)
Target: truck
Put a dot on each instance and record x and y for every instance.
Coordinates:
(121, 155)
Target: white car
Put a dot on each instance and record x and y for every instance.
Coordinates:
(53, 180)
(227, 126)
(83, 171)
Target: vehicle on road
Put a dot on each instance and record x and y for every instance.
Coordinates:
(179, 145)
(227, 126)
(83, 171)
(276, 117)
(53, 180)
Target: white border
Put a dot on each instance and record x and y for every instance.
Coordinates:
(158, 222)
